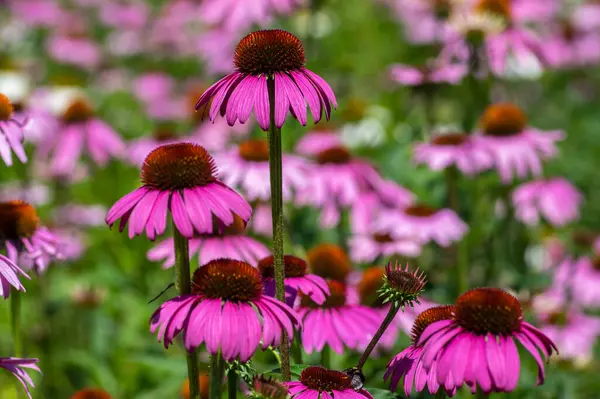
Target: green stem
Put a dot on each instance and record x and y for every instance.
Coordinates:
(462, 250)
(15, 310)
(232, 384)
(297, 351)
(326, 357)
(481, 395)
(216, 376)
(384, 325)
(184, 286)
(276, 172)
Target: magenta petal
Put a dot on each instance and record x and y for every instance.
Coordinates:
(282, 103)
(141, 212)
(511, 356)
(180, 216)
(261, 105)
(310, 94)
(124, 205)
(200, 215)
(295, 97)
(158, 217)
(495, 360)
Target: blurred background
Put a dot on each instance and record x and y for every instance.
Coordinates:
(139, 67)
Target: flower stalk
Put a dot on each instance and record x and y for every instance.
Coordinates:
(394, 308)
(15, 319)
(232, 384)
(217, 368)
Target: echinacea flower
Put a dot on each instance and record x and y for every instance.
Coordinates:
(425, 224)
(227, 310)
(91, 393)
(336, 322)
(11, 133)
(230, 242)
(139, 149)
(26, 241)
(581, 276)
(407, 364)
(80, 130)
(296, 277)
(516, 148)
(413, 76)
(557, 200)
(247, 168)
(321, 138)
(367, 248)
(17, 366)
(263, 57)
(267, 388)
(180, 179)
(453, 149)
(320, 383)
(9, 276)
(329, 261)
(485, 324)
(218, 136)
(571, 44)
(74, 48)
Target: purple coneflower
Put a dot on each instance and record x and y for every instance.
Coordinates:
(262, 55)
(230, 242)
(321, 138)
(139, 149)
(486, 321)
(227, 310)
(247, 169)
(408, 365)
(582, 276)
(17, 366)
(368, 248)
(329, 261)
(296, 277)
(9, 275)
(11, 133)
(414, 76)
(178, 178)
(73, 46)
(515, 147)
(320, 383)
(455, 149)
(91, 393)
(571, 44)
(557, 200)
(240, 15)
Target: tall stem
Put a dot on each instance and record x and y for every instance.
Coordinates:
(384, 325)
(15, 318)
(232, 384)
(184, 286)
(275, 169)
(326, 357)
(216, 376)
(462, 250)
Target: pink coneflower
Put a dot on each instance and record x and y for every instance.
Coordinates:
(321, 138)
(516, 148)
(557, 200)
(152, 87)
(141, 147)
(388, 197)
(81, 131)
(230, 242)
(25, 240)
(424, 22)
(218, 136)
(582, 276)
(38, 12)
(486, 321)
(17, 366)
(425, 224)
(226, 310)
(9, 276)
(320, 383)
(296, 277)
(368, 248)
(75, 49)
(81, 215)
(247, 168)
(414, 76)
(340, 324)
(11, 133)
(259, 57)
(569, 44)
(131, 15)
(329, 261)
(179, 178)
(262, 219)
(587, 15)
(454, 149)
(408, 365)
(35, 193)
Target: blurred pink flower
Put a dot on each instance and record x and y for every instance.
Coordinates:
(35, 193)
(76, 50)
(218, 135)
(316, 141)
(571, 45)
(587, 15)
(9, 276)
(153, 86)
(17, 366)
(262, 220)
(368, 248)
(242, 14)
(132, 15)
(557, 200)
(80, 215)
(415, 76)
(12, 131)
(38, 12)
(140, 148)
(581, 276)
(216, 47)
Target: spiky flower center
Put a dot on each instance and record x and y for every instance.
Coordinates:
(503, 119)
(420, 210)
(178, 166)
(294, 266)
(429, 317)
(488, 310)
(269, 51)
(228, 279)
(383, 238)
(329, 261)
(6, 108)
(402, 280)
(254, 150)
(369, 285)
(268, 388)
(336, 298)
(452, 139)
(334, 155)
(18, 220)
(79, 111)
(325, 380)
(568, 30)
(499, 8)
(91, 393)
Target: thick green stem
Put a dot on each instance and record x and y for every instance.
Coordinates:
(184, 286)
(15, 319)
(217, 366)
(384, 325)
(481, 395)
(276, 172)
(296, 350)
(326, 357)
(462, 250)
(232, 384)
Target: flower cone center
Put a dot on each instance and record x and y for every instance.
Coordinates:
(294, 266)
(503, 120)
(336, 298)
(370, 283)
(420, 211)
(6, 108)
(178, 166)
(568, 30)
(228, 279)
(489, 310)
(429, 317)
(325, 380)
(403, 281)
(91, 393)
(79, 111)
(18, 220)
(269, 51)
(334, 155)
(383, 238)
(329, 261)
(596, 262)
(254, 150)
(499, 8)
(453, 139)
